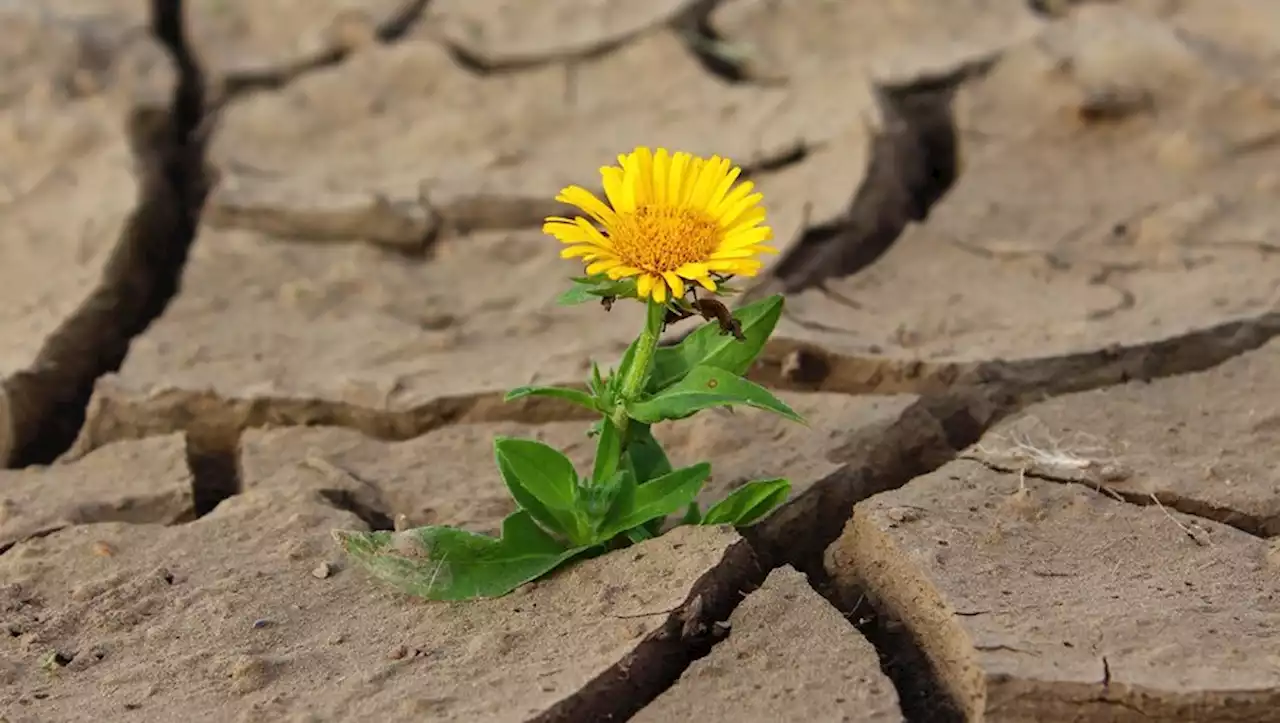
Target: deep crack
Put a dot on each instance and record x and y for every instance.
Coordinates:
(921, 695)
(215, 471)
(722, 57)
(658, 662)
(914, 162)
(46, 403)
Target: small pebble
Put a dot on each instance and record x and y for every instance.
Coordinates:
(260, 623)
(102, 549)
(322, 570)
(398, 652)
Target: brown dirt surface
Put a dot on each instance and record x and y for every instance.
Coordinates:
(766, 669)
(269, 268)
(1043, 601)
(277, 641)
(1204, 443)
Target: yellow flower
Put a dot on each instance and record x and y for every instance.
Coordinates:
(671, 218)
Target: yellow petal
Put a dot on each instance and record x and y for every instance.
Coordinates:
(746, 237)
(644, 285)
(709, 175)
(643, 160)
(661, 172)
(742, 253)
(587, 201)
(628, 189)
(565, 232)
(739, 192)
(707, 282)
(675, 183)
(602, 265)
(676, 284)
(612, 179)
(730, 212)
(726, 182)
(585, 250)
(751, 218)
(619, 272)
(592, 234)
(736, 267)
(659, 290)
(692, 271)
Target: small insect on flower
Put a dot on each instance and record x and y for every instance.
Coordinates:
(671, 218)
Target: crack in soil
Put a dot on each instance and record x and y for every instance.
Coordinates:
(731, 61)
(215, 472)
(914, 162)
(921, 695)
(688, 634)
(214, 416)
(352, 29)
(483, 64)
(45, 405)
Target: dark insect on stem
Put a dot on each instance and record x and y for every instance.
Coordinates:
(675, 314)
(710, 309)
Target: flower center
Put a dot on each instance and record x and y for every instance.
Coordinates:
(661, 238)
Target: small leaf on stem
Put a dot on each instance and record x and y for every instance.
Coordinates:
(705, 387)
(708, 346)
(576, 396)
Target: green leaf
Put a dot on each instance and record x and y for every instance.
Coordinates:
(608, 452)
(705, 387)
(576, 396)
(593, 288)
(692, 516)
(656, 499)
(614, 381)
(446, 563)
(707, 346)
(747, 504)
(645, 454)
(599, 500)
(597, 381)
(577, 294)
(639, 534)
(544, 483)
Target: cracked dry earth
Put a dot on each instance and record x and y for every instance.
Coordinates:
(268, 268)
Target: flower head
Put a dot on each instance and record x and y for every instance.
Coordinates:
(671, 218)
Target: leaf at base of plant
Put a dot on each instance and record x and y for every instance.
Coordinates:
(544, 483)
(446, 563)
(747, 504)
(656, 499)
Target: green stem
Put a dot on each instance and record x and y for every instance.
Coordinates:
(641, 364)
